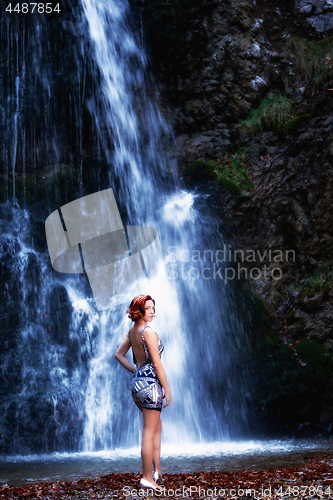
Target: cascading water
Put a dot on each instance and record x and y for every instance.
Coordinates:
(62, 388)
(194, 317)
(44, 356)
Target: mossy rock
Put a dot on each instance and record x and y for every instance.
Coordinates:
(260, 304)
(292, 383)
(232, 186)
(201, 171)
(228, 174)
(295, 122)
(318, 361)
(314, 288)
(258, 308)
(321, 281)
(290, 316)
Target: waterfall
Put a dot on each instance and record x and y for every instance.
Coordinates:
(62, 389)
(44, 354)
(194, 315)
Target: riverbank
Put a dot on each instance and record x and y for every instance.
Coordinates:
(312, 479)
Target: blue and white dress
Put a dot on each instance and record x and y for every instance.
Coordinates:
(146, 389)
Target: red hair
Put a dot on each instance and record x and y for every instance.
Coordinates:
(136, 309)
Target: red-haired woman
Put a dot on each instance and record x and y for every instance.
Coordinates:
(148, 380)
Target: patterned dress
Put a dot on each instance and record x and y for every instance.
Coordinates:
(146, 389)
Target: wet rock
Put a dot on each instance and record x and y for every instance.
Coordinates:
(210, 144)
(308, 7)
(289, 213)
(312, 303)
(319, 324)
(232, 54)
(317, 14)
(321, 24)
(223, 67)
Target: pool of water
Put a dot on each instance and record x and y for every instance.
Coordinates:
(223, 456)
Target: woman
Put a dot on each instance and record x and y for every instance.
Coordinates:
(148, 380)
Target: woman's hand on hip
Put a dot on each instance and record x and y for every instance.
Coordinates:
(167, 397)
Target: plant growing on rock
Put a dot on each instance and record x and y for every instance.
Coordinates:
(322, 281)
(313, 59)
(274, 113)
(229, 172)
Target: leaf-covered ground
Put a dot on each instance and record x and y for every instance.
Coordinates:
(311, 480)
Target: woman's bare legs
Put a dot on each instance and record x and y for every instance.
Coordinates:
(157, 448)
(151, 429)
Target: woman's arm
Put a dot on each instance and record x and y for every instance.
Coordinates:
(121, 354)
(150, 338)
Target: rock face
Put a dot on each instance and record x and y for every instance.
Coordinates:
(314, 316)
(226, 65)
(287, 221)
(316, 14)
(234, 53)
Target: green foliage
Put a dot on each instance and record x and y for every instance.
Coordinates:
(313, 59)
(295, 121)
(273, 366)
(232, 174)
(322, 281)
(274, 113)
(202, 170)
(261, 305)
(228, 184)
(228, 172)
(258, 302)
(317, 360)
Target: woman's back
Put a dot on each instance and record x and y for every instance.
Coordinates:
(137, 345)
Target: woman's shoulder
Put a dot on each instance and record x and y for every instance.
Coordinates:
(148, 333)
(137, 330)
(148, 330)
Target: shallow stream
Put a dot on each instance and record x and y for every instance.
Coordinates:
(218, 456)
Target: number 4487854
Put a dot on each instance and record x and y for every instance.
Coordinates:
(308, 491)
(26, 8)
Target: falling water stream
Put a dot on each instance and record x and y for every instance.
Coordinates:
(69, 390)
(186, 304)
